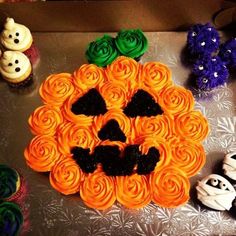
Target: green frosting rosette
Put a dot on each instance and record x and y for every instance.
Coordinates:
(131, 43)
(9, 182)
(11, 219)
(102, 52)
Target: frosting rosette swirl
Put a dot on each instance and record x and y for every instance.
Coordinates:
(192, 125)
(114, 94)
(74, 135)
(170, 187)
(42, 153)
(123, 70)
(131, 43)
(9, 181)
(11, 219)
(56, 89)
(98, 190)
(187, 155)
(133, 191)
(102, 52)
(45, 119)
(88, 76)
(66, 176)
(175, 100)
(156, 75)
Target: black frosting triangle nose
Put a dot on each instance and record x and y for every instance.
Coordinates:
(111, 130)
(90, 104)
(142, 104)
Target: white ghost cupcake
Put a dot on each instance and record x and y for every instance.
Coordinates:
(216, 192)
(15, 67)
(229, 165)
(17, 37)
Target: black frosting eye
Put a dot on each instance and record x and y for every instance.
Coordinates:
(10, 64)
(17, 34)
(16, 61)
(10, 36)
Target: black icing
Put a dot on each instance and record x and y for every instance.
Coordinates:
(112, 131)
(142, 104)
(113, 162)
(233, 157)
(217, 186)
(91, 104)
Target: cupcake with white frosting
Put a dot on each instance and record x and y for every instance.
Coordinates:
(17, 37)
(15, 67)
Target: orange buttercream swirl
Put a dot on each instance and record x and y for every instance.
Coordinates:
(75, 135)
(175, 100)
(192, 125)
(88, 76)
(98, 190)
(56, 88)
(114, 94)
(133, 191)
(160, 126)
(66, 176)
(155, 75)
(42, 153)
(45, 120)
(70, 116)
(187, 155)
(170, 187)
(115, 114)
(123, 70)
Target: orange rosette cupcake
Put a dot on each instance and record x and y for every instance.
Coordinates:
(113, 114)
(45, 120)
(158, 126)
(115, 94)
(123, 70)
(175, 100)
(56, 89)
(155, 75)
(81, 119)
(74, 135)
(187, 155)
(192, 125)
(133, 191)
(66, 176)
(170, 187)
(88, 76)
(98, 190)
(42, 153)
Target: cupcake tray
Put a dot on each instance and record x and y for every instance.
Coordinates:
(50, 213)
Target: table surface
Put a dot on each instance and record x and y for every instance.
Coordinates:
(50, 213)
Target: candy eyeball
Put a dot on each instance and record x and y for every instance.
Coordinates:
(223, 186)
(214, 182)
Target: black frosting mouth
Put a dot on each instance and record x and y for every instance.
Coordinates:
(114, 162)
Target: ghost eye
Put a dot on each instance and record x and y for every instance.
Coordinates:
(17, 34)
(214, 182)
(16, 61)
(10, 64)
(223, 186)
(10, 36)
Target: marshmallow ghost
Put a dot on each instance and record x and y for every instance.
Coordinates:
(216, 192)
(15, 67)
(15, 36)
(229, 165)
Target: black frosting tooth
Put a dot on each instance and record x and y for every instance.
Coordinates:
(111, 131)
(142, 104)
(90, 104)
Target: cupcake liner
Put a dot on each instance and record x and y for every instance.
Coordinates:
(33, 54)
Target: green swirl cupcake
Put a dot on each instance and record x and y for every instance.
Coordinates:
(9, 182)
(102, 52)
(131, 43)
(11, 219)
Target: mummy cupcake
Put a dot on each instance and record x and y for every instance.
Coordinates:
(15, 68)
(17, 37)
(229, 165)
(216, 192)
